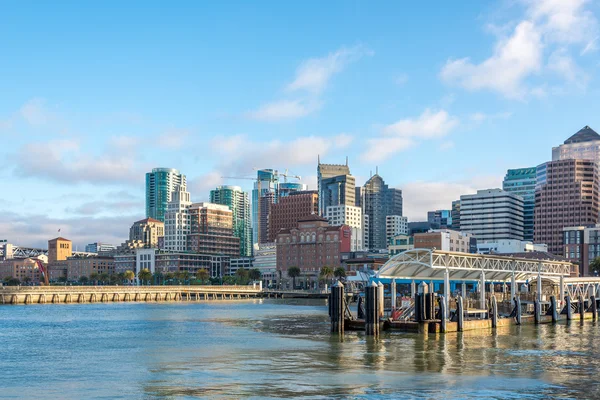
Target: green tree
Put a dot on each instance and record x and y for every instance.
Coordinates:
(113, 279)
(326, 273)
(169, 276)
(242, 276)
(26, 280)
(202, 275)
(104, 277)
(94, 277)
(10, 281)
(229, 280)
(595, 266)
(339, 273)
(158, 277)
(184, 276)
(129, 275)
(144, 275)
(254, 274)
(121, 277)
(83, 280)
(62, 279)
(293, 272)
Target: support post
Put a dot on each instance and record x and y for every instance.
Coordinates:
(494, 312)
(561, 290)
(554, 309)
(460, 312)
(446, 297)
(513, 286)
(539, 285)
(393, 293)
(443, 312)
(337, 307)
(581, 308)
(537, 310)
(413, 289)
(482, 292)
(372, 310)
(568, 307)
(518, 310)
(360, 308)
(431, 287)
(463, 289)
(380, 298)
(593, 307)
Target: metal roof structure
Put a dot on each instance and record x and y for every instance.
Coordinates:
(427, 264)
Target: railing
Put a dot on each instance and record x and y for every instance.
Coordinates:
(165, 288)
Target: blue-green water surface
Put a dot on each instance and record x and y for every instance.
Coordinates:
(273, 349)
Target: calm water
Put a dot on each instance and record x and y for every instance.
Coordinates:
(276, 348)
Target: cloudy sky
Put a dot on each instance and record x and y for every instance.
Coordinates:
(442, 97)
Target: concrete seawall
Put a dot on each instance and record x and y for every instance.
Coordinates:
(94, 294)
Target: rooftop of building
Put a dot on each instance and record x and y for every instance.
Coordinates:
(147, 220)
(62, 239)
(585, 134)
(312, 217)
(536, 255)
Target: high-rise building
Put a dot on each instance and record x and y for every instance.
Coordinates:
(286, 213)
(522, 182)
(395, 225)
(569, 197)
(148, 231)
(177, 220)
(211, 230)
(582, 246)
(344, 189)
(441, 219)
(378, 202)
(351, 216)
(59, 249)
(455, 214)
(446, 240)
(238, 203)
(492, 215)
(100, 247)
(160, 183)
(583, 145)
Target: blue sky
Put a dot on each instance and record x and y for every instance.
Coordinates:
(442, 97)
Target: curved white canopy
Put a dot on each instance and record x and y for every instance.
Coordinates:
(427, 264)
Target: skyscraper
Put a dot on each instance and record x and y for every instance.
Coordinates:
(522, 182)
(238, 203)
(160, 183)
(492, 215)
(327, 171)
(583, 145)
(286, 213)
(440, 219)
(378, 202)
(569, 197)
(177, 220)
(455, 214)
(211, 230)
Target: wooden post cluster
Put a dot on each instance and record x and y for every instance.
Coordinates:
(372, 311)
(337, 307)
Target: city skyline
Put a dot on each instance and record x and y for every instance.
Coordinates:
(438, 115)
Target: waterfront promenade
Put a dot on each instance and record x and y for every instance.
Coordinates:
(93, 294)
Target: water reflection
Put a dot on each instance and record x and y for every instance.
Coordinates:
(279, 348)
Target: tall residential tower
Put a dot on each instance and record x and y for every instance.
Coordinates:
(160, 183)
(522, 182)
(238, 203)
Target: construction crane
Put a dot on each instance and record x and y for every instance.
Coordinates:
(274, 178)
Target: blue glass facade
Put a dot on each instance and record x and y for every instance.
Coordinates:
(522, 182)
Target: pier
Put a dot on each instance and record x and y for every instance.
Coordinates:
(497, 297)
(95, 294)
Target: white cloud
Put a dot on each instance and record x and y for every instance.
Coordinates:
(548, 27)
(401, 79)
(407, 132)
(314, 74)
(241, 155)
(173, 139)
(123, 143)
(421, 196)
(343, 140)
(283, 109)
(200, 187)
(447, 145)
(35, 112)
(514, 59)
(481, 117)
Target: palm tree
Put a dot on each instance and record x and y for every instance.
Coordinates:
(326, 273)
(129, 275)
(202, 275)
(113, 278)
(595, 266)
(169, 276)
(121, 277)
(158, 276)
(94, 277)
(293, 272)
(242, 276)
(144, 275)
(254, 274)
(83, 280)
(339, 273)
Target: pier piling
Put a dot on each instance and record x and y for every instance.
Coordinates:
(460, 312)
(553, 309)
(337, 307)
(494, 312)
(372, 310)
(581, 308)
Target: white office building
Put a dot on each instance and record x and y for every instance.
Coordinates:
(510, 246)
(351, 216)
(177, 220)
(395, 225)
(492, 215)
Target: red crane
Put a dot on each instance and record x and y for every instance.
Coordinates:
(44, 272)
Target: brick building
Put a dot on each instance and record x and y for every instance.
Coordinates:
(567, 197)
(211, 230)
(21, 268)
(78, 266)
(311, 245)
(286, 213)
